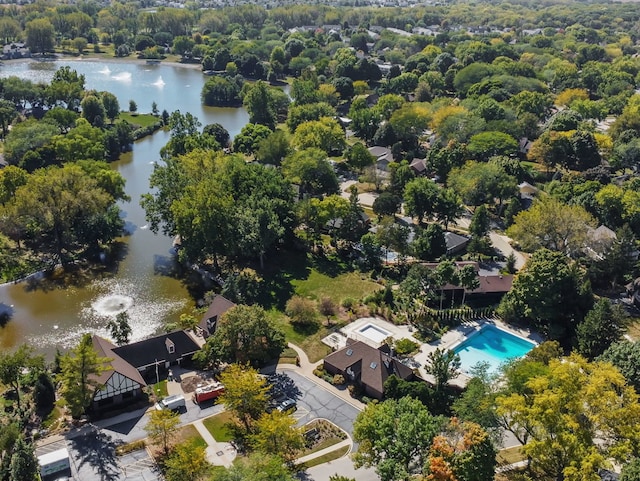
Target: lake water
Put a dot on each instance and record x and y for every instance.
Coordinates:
(145, 281)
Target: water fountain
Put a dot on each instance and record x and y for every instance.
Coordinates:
(122, 77)
(112, 304)
(159, 83)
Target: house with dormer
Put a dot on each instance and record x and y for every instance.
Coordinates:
(131, 367)
(367, 367)
(209, 321)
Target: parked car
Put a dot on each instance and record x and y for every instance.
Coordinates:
(173, 403)
(287, 405)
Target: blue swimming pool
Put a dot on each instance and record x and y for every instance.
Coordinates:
(492, 345)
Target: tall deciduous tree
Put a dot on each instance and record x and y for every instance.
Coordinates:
(40, 35)
(162, 427)
(394, 437)
(256, 466)
(120, 328)
(540, 292)
(577, 415)
(421, 197)
(245, 394)
(464, 452)
(276, 433)
(244, 334)
(79, 370)
(553, 225)
(260, 104)
(13, 365)
(444, 365)
(55, 206)
(186, 463)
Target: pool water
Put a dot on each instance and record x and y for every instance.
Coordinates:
(493, 346)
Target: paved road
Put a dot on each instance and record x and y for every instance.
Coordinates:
(130, 427)
(343, 466)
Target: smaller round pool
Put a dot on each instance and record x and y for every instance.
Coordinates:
(493, 346)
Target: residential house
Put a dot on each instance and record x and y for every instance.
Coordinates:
(526, 189)
(120, 382)
(15, 50)
(419, 166)
(524, 146)
(131, 367)
(383, 156)
(455, 243)
(209, 321)
(366, 367)
(491, 286)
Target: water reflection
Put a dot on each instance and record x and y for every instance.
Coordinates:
(140, 273)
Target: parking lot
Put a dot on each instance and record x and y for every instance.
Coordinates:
(93, 458)
(316, 402)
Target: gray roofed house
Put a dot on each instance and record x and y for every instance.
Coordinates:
(383, 156)
(455, 242)
(218, 306)
(367, 367)
(419, 166)
(163, 350)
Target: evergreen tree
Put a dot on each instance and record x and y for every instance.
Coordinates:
(24, 465)
(79, 370)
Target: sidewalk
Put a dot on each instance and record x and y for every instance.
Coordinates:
(218, 454)
(322, 452)
(306, 369)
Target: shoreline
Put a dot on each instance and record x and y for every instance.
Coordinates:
(94, 58)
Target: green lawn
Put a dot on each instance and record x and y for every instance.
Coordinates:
(216, 425)
(160, 389)
(189, 434)
(350, 284)
(308, 340)
(327, 457)
(510, 456)
(143, 120)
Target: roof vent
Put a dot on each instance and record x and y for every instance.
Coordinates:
(349, 352)
(373, 365)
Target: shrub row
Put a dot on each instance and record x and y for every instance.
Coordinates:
(144, 131)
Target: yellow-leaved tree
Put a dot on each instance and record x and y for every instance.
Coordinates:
(574, 416)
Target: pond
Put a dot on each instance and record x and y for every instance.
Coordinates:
(145, 281)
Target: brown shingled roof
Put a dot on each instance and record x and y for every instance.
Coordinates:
(371, 366)
(218, 306)
(116, 364)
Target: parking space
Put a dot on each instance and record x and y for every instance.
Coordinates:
(316, 402)
(92, 458)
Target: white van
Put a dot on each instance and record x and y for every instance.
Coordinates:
(173, 403)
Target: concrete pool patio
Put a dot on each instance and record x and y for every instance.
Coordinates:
(373, 331)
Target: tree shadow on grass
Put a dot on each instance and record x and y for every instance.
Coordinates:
(279, 271)
(331, 266)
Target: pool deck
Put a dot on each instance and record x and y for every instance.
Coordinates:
(449, 340)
